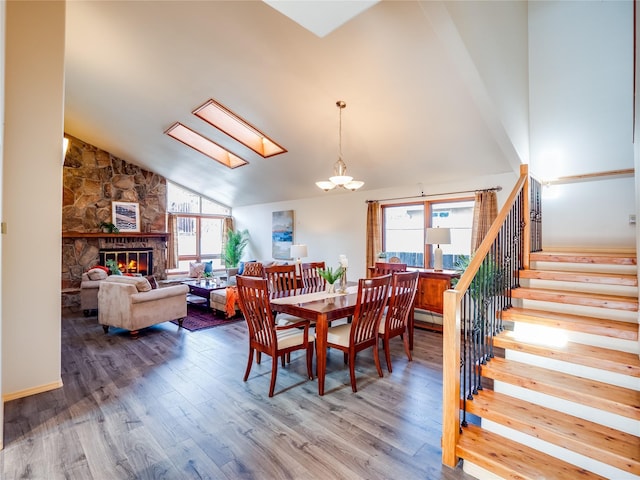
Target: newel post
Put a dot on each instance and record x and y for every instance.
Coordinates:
(450, 378)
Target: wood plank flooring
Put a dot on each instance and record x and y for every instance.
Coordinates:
(171, 404)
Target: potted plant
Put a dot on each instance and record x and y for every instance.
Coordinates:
(113, 266)
(108, 227)
(331, 276)
(234, 247)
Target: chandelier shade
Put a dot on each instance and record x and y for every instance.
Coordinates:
(340, 177)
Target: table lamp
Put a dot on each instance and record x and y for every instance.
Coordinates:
(298, 251)
(438, 236)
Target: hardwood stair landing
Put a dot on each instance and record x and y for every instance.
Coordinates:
(590, 439)
(514, 460)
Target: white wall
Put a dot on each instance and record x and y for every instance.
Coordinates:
(31, 196)
(590, 214)
(336, 223)
(581, 100)
(581, 87)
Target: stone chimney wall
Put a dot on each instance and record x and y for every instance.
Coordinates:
(92, 179)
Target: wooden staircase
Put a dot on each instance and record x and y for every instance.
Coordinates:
(565, 399)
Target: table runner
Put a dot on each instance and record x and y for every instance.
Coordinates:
(311, 297)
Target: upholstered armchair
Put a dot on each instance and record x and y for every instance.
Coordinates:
(89, 285)
(131, 303)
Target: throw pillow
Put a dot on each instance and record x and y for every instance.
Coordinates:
(241, 266)
(208, 266)
(102, 267)
(196, 269)
(253, 269)
(97, 274)
(152, 281)
(141, 283)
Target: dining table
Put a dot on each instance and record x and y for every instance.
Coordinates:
(322, 308)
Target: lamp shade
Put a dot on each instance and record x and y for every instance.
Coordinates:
(438, 236)
(298, 251)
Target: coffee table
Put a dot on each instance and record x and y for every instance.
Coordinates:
(203, 289)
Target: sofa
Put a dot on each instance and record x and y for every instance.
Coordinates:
(218, 298)
(132, 304)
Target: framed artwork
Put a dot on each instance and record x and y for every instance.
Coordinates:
(282, 234)
(126, 216)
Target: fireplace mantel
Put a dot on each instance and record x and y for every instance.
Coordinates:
(115, 235)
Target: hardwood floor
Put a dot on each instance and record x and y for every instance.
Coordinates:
(172, 404)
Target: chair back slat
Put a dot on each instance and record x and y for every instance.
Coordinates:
(281, 278)
(373, 294)
(253, 296)
(403, 292)
(310, 277)
(385, 268)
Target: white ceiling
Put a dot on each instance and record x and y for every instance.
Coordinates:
(417, 108)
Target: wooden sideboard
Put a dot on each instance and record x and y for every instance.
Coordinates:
(431, 287)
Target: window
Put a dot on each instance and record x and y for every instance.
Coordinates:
(200, 223)
(404, 227)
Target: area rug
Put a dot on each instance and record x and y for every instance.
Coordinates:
(200, 318)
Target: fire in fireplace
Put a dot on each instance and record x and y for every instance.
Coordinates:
(129, 260)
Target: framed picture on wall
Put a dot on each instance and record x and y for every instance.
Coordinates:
(282, 234)
(126, 216)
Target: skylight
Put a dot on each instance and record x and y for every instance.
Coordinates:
(204, 145)
(237, 128)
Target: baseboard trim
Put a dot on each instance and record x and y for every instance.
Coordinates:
(32, 391)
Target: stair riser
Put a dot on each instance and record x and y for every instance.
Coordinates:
(578, 300)
(591, 268)
(585, 310)
(598, 288)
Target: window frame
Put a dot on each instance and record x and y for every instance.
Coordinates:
(428, 206)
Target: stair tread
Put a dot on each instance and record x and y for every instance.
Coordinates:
(593, 440)
(625, 363)
(510, 459)
(604, 396)
(584, 257)
(574, 323)
(582, 277)
(627, 303)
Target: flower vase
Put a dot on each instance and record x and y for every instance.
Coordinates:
(343, 281)
(331, 288)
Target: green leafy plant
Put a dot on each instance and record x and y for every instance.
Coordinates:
(113, 266)
(330, 275)
(109, 227)
(234, 247)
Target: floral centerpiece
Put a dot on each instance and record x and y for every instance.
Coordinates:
(331, 276)
(344, 263)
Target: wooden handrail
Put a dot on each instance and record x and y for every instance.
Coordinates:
(452, 321)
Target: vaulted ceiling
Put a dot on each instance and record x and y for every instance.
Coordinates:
(424, 101)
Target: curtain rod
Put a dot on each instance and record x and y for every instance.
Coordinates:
(423, 195)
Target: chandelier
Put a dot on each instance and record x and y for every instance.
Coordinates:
(340, 177)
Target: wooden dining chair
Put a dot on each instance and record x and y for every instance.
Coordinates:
(264, 335)
(386, 268)
(281, 278)
(362, 332)
(310, 277)
(394, 323)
